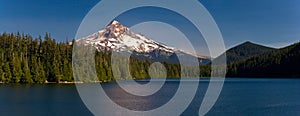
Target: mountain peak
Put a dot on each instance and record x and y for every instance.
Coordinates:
(114, 22)
(251, 45)
(115, 29)
(117, 37)
(248, 42)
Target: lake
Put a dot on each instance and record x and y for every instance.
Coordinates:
(247, 96)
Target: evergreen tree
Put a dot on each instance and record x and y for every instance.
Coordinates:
(7, 73)
(2, 78)
(26, 76)
(16, 69)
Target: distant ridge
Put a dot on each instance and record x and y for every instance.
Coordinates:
(281, 63)
(246, 50)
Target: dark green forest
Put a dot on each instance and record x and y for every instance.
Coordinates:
(282, 63)
(24, 59)
(246, 50)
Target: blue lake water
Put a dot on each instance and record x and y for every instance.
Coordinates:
(238, 97)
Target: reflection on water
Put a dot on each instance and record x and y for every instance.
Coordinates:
(140, 103)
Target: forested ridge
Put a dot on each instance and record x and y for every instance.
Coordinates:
(283, 63)
(246, 50)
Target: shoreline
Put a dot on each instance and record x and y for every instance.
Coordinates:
(94, 82)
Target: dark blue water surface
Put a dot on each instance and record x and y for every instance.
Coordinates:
(239, 97)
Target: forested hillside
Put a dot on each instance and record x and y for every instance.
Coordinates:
(245, 51)
(24, 59)
(280, 63)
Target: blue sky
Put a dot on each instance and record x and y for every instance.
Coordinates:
(274, 23)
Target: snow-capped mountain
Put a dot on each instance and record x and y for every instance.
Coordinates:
(118, 37)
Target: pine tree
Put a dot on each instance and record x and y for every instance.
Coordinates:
(7, 73)
(42, 75)
(16, 69)
(2, 79)
(57, 75)
(26, 76)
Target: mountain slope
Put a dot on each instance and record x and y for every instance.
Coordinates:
(280, 63)
(246, 50)
(119, 38)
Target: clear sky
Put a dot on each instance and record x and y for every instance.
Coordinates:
(274, 23)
